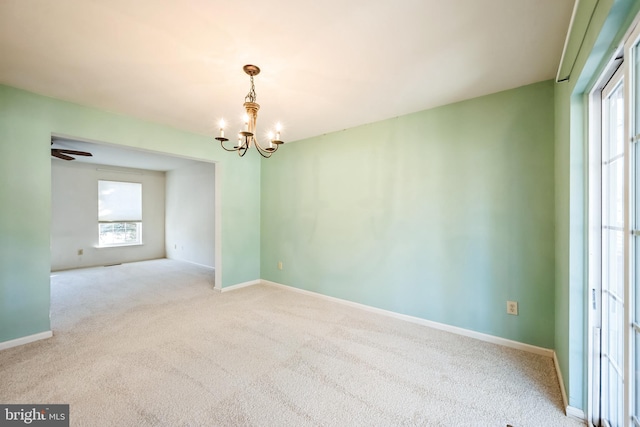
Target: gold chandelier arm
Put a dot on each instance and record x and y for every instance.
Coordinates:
(222, 141)
(265, 152)
(241, 148)
(267, 149)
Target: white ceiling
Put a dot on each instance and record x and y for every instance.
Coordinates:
(326, 65)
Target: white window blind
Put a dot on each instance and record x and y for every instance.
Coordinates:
(119, 201)
(119, 213)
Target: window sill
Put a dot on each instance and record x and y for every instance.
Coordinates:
(119, 245)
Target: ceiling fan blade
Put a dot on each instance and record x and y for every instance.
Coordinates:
(73, 152)
(56, 153)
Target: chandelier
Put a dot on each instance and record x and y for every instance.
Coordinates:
(246, 137)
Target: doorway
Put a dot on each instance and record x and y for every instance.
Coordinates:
(173, 187)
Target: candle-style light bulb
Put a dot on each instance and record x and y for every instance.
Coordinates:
(270, 144)
(278, 129)
(221, 128)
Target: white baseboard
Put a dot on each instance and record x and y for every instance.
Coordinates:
(570, 411)
(436, 325)
(239, 285)
(193, 263)
(25, 340)
(563, 391)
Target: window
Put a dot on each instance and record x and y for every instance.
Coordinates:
(119, 213)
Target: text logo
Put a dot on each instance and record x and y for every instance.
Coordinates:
(34, 415)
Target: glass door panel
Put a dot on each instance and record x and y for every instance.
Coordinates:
(634, 102)
(613, 252)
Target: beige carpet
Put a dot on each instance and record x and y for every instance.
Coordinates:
(151, 343)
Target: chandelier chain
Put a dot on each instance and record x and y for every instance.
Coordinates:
(251, 96)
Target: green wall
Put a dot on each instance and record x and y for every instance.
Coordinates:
(26, 123)
(597, 30)
(443, 214)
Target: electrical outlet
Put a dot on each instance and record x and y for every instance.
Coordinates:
(80, 251)
(279, 265)
(512, 307)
